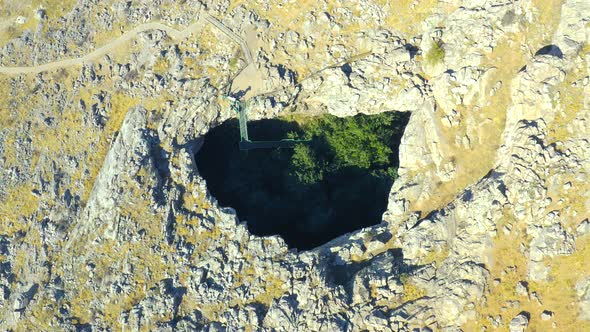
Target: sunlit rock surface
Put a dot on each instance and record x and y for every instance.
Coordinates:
(105, 222)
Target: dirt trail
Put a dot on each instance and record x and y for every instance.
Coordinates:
(126, 37)
(232, 35)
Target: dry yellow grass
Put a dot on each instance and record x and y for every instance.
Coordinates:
(9, 10)
(507, 57)
(411, 291)
(559, 294)
(196, 203)
(510, 265)
(571, 103)
(573, 203)
(108, 256)
(161, 66)
(407, 16)
(273, 289)
(68, 135)
(19, 202)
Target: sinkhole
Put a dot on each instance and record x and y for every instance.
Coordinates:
(336, 182)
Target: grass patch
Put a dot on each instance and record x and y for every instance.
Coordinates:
(411, 291)
(9, 10)
(571, 103)
(507, 57)
(406, 15)
(18, 202)
(436, 54)
(510, 265)
(161, 66)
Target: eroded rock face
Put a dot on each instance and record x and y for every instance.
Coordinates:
(120, 230)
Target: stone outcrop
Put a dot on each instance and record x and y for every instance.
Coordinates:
(110, 225)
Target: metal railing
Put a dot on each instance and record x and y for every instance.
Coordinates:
(246, 143)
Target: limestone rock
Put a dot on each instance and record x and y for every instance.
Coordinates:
(106, 220)
(583, 228)
(519, 323)
(522, 288)
(546, 315)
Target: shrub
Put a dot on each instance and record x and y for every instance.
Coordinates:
(436, 53)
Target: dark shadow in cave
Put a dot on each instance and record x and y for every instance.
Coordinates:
(552, 50)
(277, 191)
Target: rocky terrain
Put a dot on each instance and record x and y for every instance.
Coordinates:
(106, 224)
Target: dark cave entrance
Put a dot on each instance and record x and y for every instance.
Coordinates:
(336, 183)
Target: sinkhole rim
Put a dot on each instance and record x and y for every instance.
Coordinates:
(253, 225)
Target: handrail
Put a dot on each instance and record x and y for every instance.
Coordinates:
(246, 143)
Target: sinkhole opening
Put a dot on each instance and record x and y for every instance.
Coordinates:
(336, 182)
